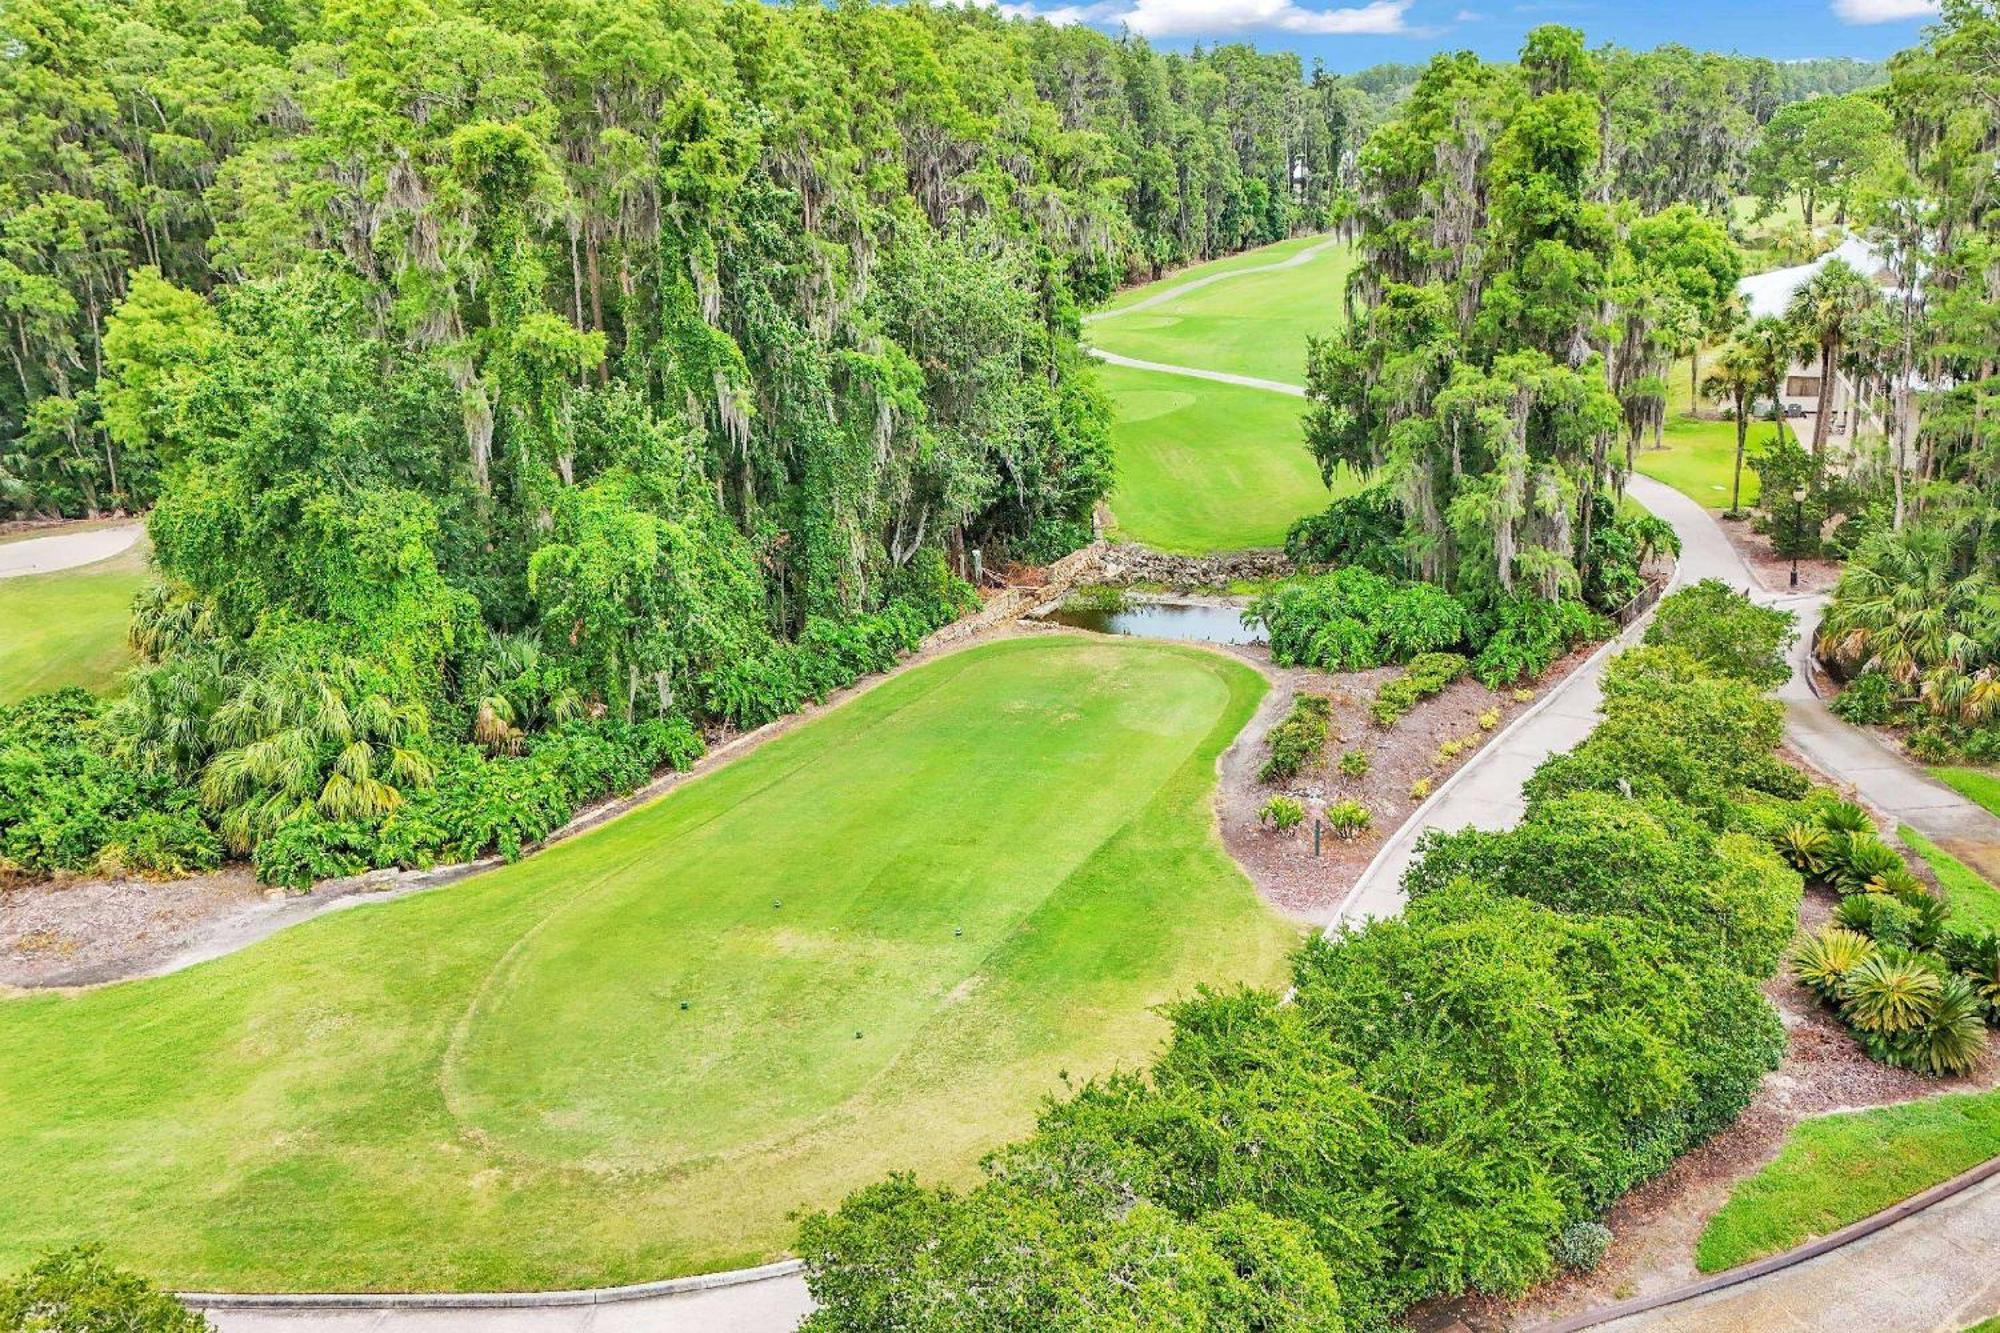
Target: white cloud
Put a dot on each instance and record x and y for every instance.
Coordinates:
(1883, 11)
(1468, 16)
(1200, 18)
(1210, 18)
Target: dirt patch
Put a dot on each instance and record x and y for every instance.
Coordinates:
(1283, 865)
(52, 932)
(1774, 571)
(1656, 1225)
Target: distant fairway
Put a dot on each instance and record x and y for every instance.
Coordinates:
(872, 944)
(1255, 324)
(68, 628)
(1206, 466)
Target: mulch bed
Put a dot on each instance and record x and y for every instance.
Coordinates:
(60, 928)
(1283, 866)
(1774, 571)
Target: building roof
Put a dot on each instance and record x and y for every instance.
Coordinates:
(1769, 293)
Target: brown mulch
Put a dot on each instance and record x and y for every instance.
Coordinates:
(1283, 866)
(1774, 571)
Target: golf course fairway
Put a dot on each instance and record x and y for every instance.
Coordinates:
(872, 943)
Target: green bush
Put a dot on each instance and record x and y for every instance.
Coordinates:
(1298, 740)
(79, 1291)
(1580, 1246)
(1427, 674)
(1727, 632)
(1282, 814)
(1867, 700)
(1354, 763)
(1353, 619)
(1348, 819)
(1529, 633)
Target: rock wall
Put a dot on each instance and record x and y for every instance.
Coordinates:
(1125, 564)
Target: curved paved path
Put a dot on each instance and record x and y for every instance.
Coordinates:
(1190, 372)
(1305, 256)
(66, 550)
(1486, 792)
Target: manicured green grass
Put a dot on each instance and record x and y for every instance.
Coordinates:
(1699, 459)
(1978, 785)
(1973, 901)
(68, 628)
(1256, 324)
(1838, 1169)
(1266, 254)
(1204, 466)
(635, 1053)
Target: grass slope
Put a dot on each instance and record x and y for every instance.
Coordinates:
(1973, 901)
(1977, 785)
(1699, 459)
(1838, 1169)
(1204, 466)
(496, 1085)
(1256, 324)
(68, 628)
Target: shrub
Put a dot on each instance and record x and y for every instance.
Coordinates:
(79, 1291)
(1420, 789)
(1298, 740)
(1822, 961)
(1282, 814)
(1951, 1040)
(1364, 529)
(1426, 675)
(1890, 992)
(1489, 719)
(1348, 819)
(1868, 700)
(1354, 763)
(1726, 632)
(1352, 619)
(1580, 1246)
(1529, 634)
(1861, 861)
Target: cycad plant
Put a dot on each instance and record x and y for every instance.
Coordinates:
(1953, 1037)
(1821, 962)
(1860, 859)
(1892, 992)
(1806, 847)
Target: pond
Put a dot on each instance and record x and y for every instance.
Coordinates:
(1165, 620)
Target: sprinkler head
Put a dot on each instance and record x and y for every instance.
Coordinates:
(857, 1034)
(684, 1004)
(958, 930)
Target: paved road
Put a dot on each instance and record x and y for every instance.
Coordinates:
(1933, 1272)
(1305, 256)
(66, 550)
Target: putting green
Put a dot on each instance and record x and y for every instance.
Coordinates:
(873, 943)
(1204, 466)
(68, 628)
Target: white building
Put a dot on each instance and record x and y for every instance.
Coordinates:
(1771, 294)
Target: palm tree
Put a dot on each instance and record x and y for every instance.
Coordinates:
(1736, 375)
(1822, 310)
(1906, 609)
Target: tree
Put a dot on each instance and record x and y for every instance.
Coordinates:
(1823, 310)
(1739, 376)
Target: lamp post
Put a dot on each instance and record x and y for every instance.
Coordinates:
(1798, 529)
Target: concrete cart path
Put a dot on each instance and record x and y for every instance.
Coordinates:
(66, 550)
(1191, 372)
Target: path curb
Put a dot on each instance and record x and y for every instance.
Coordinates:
(489, 1300)
(1734, 1277)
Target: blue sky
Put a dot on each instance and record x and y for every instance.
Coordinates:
(1349, 34)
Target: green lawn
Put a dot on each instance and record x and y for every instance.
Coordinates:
(68, 628)
(1256, 324)
(635, 1053)
(1973, 901)
(1264, 254)
(1837, 1169)
(1978, 785)
(1204, 466)
(1699, 459)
